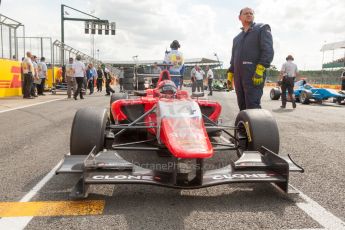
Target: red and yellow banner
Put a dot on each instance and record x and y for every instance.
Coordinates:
(10, 78)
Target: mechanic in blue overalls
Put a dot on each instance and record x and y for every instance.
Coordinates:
(252, 53)
(175, 59)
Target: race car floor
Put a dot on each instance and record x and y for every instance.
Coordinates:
(36, 136)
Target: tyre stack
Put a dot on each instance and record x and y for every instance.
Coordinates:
(140, 79)
(128, 80)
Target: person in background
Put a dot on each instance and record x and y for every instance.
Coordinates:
(79, 73)
(209, 79)
(89, 78)
(252, 52)
(28, 70)
(100, 76)
(193, 79)
(155, 70)
(199, 76)
(42, 74)
(107, 77)
(288, 75)
(175, 58)
(70, 79)
(342, 77)
(36, 81)
(121, 77)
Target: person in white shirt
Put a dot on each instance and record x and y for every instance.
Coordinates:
(288, 74)
(79, 73)
(209, 79)
(28, 70)
(42, 74)
(199, 76)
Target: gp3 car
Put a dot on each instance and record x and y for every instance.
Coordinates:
(186, 129)
(306, 93)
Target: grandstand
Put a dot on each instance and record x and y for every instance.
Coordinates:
(337, 63)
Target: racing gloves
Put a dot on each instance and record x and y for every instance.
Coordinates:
(258, 77)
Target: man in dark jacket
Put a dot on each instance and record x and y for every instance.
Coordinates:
(252, 53)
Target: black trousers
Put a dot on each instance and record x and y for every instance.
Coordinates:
(209, 83)
(108, 89)
(343, 85)
(80, 81)
(287, 85)
(40, 88)
(28, 81)
(99, 84)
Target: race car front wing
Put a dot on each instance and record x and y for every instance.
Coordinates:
(108, 167)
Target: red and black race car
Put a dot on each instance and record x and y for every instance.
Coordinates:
(172, 123)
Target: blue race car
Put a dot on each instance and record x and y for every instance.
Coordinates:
(306, 93)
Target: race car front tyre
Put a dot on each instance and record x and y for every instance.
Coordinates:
(88, 129)
(256, 128)
(275, 94)
(305, 97)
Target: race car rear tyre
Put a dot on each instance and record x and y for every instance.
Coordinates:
(275, 94)
(88, 130)
(256, 128)
(114, 97)
(305, 97)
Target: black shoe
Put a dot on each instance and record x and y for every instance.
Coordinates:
(82, 98)
(108, 94)
(75, 98)
(29, 98)
(294, 105)
(282, 106)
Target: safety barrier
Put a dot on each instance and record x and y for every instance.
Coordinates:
(10, 78)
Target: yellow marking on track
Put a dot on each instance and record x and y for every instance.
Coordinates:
(51, 208)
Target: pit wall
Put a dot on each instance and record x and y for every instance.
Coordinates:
(11, 79)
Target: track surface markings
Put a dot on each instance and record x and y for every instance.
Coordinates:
(26, 106)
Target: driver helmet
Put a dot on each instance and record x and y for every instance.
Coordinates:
(167, 87)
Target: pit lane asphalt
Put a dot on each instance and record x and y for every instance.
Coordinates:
(34, 140)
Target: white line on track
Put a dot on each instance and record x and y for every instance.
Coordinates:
(314, 210)
(26, 106)
(17, 223)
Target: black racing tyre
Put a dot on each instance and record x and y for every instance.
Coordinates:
(275, 94)
(262, 128)
(305, 97)
(128, 80)
(88, 130)
(114, 97)
(128, 86)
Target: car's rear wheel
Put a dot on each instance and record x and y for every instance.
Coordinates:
(256, 128)
(88, 130)
(275, 94)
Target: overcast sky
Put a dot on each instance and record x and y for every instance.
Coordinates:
(203, 27)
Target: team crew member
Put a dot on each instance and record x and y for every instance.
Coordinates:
(107, 77)
(42, 74)
(69, 78)
(288, 75)
(343, 81)
(36, 82)
(175, 58)
(209, 79)
(99, 79)
(121, 77)
(252, 53)
(79, 73)
(155, 70)
(28, 70)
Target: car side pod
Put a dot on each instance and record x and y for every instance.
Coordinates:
(108, 167)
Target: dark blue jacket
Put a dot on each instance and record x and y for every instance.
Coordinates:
(251, 48)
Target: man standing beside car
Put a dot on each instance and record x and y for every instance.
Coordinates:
(342, 80)
(288, 75)
(252, 53)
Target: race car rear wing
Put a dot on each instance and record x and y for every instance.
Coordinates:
(108, 167)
